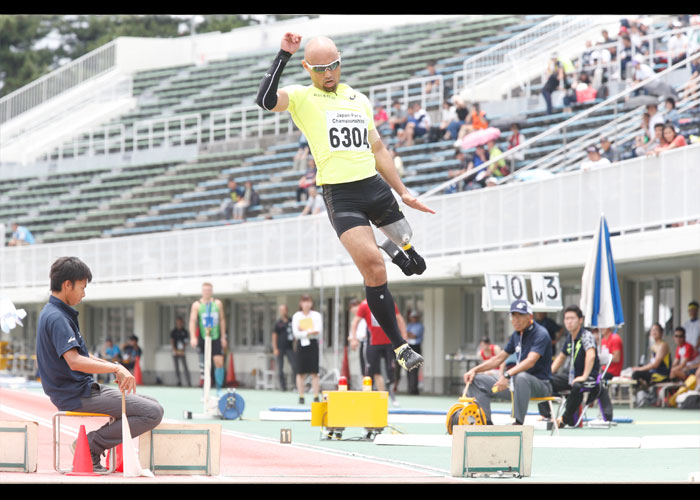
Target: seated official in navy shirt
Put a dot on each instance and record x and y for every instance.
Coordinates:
(66, 366)
(531, 375)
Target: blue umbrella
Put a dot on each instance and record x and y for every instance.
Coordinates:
(600, 293)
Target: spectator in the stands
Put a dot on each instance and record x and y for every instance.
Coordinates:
(692, 84)
(671, 114)
(654, 117)
(607, 150)
(235, 194)
(554, 78)
(308, 179)
(314, 202)
(643, 137)
(381, 120)
(586, 55)
(447, 115)
(606, 37)
(301, 154)
(625, 55)
(635, 36)
(640, 71)
(516, 139)
(601, 69)
(461, 117)
(477, 118)
(21, 236)
(580, 89)
(480, 157)
(416, 127)
(672, 140)
(694, 35)
(594, 159)
(432, 86)
(398, 117)
(677, 45)
(461, 167)
(657, 139)
(250, 198)
(499, 168)
(476, 121)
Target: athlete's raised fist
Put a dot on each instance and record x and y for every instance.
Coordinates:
(291, 42)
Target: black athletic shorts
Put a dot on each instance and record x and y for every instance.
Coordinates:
(358, 203)
(375, 354)
(216, 349)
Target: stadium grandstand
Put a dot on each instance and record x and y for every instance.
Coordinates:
(123, 158)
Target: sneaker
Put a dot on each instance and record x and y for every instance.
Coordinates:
(417, 263)
(301, 401)
(408, 358)
(403, 262)
(97, 465)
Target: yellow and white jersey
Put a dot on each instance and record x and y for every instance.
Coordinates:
(337, 126)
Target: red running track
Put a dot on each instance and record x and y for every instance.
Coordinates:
(244, 458)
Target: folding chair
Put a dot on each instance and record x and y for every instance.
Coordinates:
(549, 400)
(605, 358)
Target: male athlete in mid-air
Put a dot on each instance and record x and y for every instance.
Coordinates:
(355, 170)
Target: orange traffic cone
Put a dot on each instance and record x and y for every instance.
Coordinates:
(119, 459)
(230, 373)
(137, 371)
(82, 460)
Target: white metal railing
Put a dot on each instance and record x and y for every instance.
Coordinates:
(250, 121)
(64, 78)
(656, 42)
(634, 194)
(410, 90)
(177, 130)
(243, 122)
(547, 133)
(618, 130)
(101, 141)
(163, 132)
(540, 38)
(118, 89)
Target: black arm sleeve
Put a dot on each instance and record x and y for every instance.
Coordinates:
(267, 93)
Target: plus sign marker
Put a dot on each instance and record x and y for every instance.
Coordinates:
(542, 290)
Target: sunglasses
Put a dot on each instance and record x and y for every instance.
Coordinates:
(321, 68)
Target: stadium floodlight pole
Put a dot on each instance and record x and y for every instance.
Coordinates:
(556, 128)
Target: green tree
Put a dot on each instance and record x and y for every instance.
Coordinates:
(25, 55)
(20, 60)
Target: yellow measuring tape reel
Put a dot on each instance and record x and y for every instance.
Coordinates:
(466, 412)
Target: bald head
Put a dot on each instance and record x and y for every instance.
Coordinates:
(320, 50)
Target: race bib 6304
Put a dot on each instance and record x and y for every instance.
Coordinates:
(347, 131)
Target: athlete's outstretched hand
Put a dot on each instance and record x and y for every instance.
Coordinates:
(414, 202)
(291, 42)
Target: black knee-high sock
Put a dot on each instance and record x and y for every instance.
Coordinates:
(383, 308)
